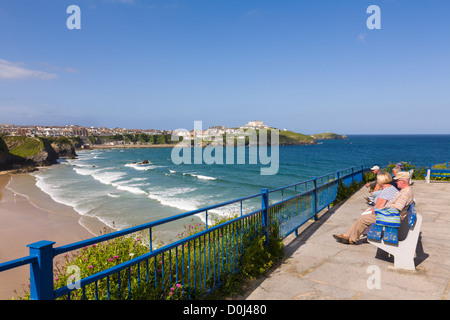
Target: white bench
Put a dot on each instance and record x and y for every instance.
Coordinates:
(408, 235)
(436, 173)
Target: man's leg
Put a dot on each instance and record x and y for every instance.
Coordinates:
(358, 227)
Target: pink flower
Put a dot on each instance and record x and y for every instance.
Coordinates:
(178, 285)
(90, 267)
(138, 239)
(172, 289)
(170, 293)
(116, 257)
(110, 260)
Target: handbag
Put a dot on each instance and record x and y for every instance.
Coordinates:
(388, 216)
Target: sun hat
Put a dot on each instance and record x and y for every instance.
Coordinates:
(402, 175)
(375, 168)
(399, 164)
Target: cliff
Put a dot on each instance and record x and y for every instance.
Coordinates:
(26, 153)
(4, 154)
(64, 149)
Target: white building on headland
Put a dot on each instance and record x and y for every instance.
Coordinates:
(255, 125)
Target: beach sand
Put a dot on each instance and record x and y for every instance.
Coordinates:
(29, 215)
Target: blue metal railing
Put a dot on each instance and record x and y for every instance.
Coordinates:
(198, 263)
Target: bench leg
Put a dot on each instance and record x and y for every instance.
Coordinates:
(405, 252)
(404, 261)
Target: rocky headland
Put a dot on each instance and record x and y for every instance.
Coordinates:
(25, 154)
(328, 136)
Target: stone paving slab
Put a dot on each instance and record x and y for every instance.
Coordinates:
(316, 267)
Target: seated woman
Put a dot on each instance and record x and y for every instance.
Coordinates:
(373, 199)
(388, 192)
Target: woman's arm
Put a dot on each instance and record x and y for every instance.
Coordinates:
(379, 204)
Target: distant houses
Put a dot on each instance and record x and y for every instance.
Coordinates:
(84, 132)
(72, 131)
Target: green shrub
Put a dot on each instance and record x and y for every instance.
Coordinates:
(344, 192)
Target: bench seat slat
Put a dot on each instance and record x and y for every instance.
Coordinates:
(390, 235)
(375, 232)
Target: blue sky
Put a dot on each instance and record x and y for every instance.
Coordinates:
(309, 66)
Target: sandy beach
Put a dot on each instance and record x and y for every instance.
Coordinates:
(28, 216)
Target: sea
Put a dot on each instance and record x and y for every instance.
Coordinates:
(114, 186)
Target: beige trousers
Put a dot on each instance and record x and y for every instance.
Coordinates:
(358, 227)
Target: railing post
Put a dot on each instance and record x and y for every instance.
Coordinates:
(315, 199)
(41, 271)
(265, 211)
(150, 241)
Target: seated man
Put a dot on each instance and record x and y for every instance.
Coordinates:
(373, 185)
(395, 171)
(400, 202)
(399, 166)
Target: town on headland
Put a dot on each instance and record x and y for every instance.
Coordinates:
(24, 147)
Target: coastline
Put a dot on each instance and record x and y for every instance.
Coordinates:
(127, 146)
(173, 145)
(29, 215)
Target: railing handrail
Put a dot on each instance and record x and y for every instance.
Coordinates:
(116, 234)
(17, 263)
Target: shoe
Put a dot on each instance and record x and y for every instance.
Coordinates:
(342, 239)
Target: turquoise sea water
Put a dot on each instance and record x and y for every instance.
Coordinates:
(107, 184)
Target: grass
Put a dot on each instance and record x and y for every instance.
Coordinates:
(290, 137)
(28, 147)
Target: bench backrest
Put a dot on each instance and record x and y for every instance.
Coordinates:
(407, 223)
(434, 171)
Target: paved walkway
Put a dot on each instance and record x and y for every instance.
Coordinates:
(317, 267)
